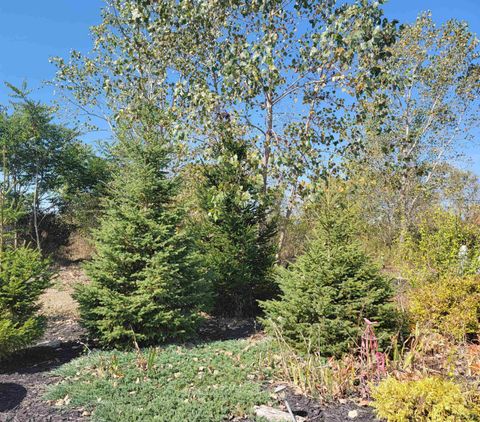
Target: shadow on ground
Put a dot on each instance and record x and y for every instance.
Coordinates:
(11, 395)
(41, 358)
(218, 328)
(25, 376)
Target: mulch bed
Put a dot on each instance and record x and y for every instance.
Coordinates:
(25, 377)
(314, 412)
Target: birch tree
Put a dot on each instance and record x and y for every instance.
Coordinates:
(422, 118)
(287, 71)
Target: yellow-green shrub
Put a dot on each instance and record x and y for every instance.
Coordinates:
(450, 306)
(429, 399)
(432, 249)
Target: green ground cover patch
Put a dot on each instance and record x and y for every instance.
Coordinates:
(205, 383)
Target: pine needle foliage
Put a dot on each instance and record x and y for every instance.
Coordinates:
(24, 275)
(145, 284)
(331, 288)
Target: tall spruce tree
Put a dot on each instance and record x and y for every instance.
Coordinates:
(331, 288)
(236, 233)
(145, 285)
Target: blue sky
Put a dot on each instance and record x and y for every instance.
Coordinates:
(31, 31)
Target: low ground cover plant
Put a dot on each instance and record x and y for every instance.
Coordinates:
(206, 383)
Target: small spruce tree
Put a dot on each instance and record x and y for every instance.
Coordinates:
(331, 288)
(236, 233)
(24, 273)
(145, 284)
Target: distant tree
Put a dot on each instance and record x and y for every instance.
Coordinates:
(236, 231)
(48, 164)
(83, 177)
(432, 250)
(459, 190)
(422, 118)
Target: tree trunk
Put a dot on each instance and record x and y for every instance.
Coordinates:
(267, 147)
(35, 213)
(283, 228)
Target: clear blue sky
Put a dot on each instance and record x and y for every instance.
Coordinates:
(31, 31)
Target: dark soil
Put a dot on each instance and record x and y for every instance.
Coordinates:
(339, 413)
(25, 377)
(220, 329)
(313, 411)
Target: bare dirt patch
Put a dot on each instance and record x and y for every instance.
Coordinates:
(57, 301)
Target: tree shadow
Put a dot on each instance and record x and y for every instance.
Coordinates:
(227, 328)
(11, 395)
(41, 358)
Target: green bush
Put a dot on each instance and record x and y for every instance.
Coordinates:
(145, 284)
(426, 400)
(328, 291)
(450, 305)
(24, 275)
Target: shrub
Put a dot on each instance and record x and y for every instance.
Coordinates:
(450, 305)
(24, 275)
(433, 250)
(145, 284)
(328, 291)
(428, 399)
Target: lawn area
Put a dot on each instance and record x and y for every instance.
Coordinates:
(205, 383)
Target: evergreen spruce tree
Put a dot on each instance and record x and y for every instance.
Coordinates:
(24, 276)
(24, 273)
(145, 284)
(331, 288)
(236, 234)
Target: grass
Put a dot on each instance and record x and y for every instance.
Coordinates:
(206, 383)
(324, 379)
